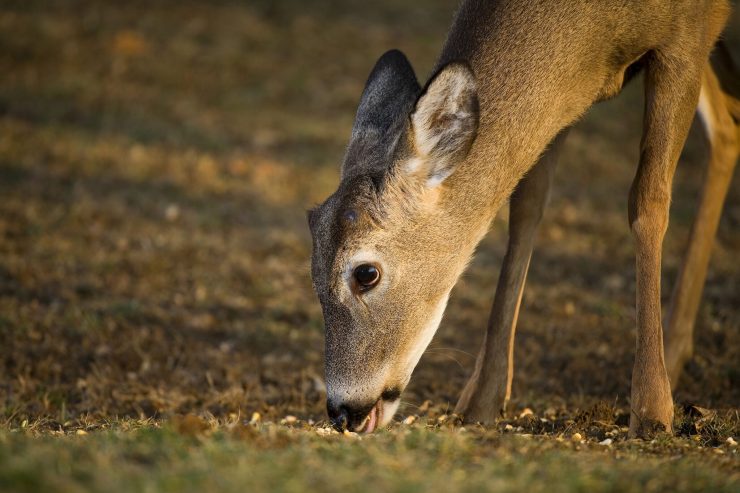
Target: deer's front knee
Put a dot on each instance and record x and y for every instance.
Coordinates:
(648, 212)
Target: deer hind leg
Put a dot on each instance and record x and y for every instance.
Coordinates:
(723, 134)
(487, 392)
(671, 95)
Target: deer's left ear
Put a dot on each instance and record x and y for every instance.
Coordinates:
(444, 123)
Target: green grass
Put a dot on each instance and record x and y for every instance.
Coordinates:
(406, 459)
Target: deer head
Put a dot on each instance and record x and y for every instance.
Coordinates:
(386, 245)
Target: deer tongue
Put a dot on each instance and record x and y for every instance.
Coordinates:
(373, 418)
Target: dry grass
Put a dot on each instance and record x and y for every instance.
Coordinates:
(156, 159)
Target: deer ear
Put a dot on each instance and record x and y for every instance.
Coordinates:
(388, 98)
(444, 123)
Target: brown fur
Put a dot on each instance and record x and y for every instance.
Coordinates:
(426, 171)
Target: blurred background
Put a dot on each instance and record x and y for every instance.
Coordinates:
(156, 161)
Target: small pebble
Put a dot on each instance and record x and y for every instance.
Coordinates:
(172, 212)
(607, 442)
(81, 432)
(290, 420)
(570, 308)
(508, 428)
(576, 437)
(731, 442)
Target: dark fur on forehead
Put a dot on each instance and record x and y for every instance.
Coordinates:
(361, 194)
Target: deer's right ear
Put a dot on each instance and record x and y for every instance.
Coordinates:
(444, 123)
(388, 98)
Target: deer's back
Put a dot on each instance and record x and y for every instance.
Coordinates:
(541, 63)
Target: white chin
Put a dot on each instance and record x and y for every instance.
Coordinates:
(389, 410)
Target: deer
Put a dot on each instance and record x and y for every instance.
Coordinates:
(427, 168)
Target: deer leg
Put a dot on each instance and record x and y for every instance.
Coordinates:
(722, 133)
(487, 392)
(671, 95)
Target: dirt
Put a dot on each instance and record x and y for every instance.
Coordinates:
(156, 160)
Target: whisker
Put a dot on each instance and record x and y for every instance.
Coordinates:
(451, 349)
(409, 404)
(449, 357)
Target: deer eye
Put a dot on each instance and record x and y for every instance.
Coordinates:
(366, 276)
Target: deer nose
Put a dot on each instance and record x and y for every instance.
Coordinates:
(347, 416)
(338, 415)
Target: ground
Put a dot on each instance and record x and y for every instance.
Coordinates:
(156, 162)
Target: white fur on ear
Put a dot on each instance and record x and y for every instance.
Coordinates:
(445, 122)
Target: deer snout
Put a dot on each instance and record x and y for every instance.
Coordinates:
(363, 416)
(349, 416)
(338, 415)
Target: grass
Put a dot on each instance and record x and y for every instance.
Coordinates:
(197, 456)
(156, 162)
